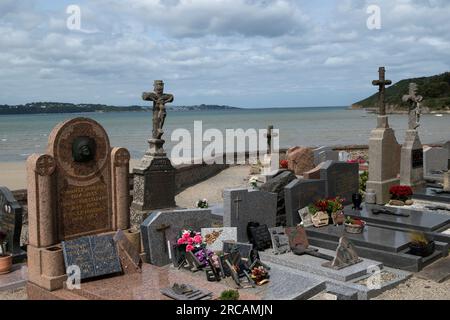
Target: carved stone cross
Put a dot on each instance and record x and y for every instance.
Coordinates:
(382, 83)
(159, 99)
(414, 106)
(163, 228)
(237, 200)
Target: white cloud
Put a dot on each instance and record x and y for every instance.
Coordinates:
(244, 52)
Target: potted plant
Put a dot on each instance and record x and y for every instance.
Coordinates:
(5, 258)
(400, 194)
(354, 225)
(420, 245)
(320, 217)
(229, 295)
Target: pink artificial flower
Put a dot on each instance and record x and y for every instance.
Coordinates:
(181, 241)
(198, 239)
(190, 241)
(189, 248)
(186, 235)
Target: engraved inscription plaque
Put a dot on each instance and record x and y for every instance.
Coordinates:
(84, 210)
(94, 255)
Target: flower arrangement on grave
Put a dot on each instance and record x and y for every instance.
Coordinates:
(284, 164)
(400, 194)
(190, 241)
(202, 204)
(5, 258)
(260, 275)
(253, 182)
(202, 255)
(420, 245)
(354, 225)
(332, 207)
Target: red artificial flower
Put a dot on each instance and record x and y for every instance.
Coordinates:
(189, 248)
(284, 164)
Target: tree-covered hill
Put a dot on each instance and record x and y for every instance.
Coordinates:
(434, 89)
(58, 107)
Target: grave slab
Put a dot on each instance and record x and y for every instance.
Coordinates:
(437, 272)
(421, 221)
(431, 194)
(372, 237)
(313, 265)
(286, 284)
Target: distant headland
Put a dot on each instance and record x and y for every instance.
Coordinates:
(58, 107)
(435, 91)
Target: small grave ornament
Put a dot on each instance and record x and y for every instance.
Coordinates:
(320, 219)
(305, 216)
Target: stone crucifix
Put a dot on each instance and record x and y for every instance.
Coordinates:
(382, 83)
(159, 99)
(414, 110)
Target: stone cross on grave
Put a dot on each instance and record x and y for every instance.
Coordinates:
(237, 200)
(159, 99)
(163, 228)
(382, 83)
(269, 135)
(414, 110)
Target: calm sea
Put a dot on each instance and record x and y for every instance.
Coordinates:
(22, 135)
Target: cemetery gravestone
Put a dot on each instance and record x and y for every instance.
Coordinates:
(79, 188)
(276, 185)
(280, 240)
(299, 194)
(341, 179)
(297, 237)
(318, 151)
(161, 230)
(411, 163)
(11, 223)
(242, 206)
(94, 255)
(435, 161)
(154, 177)
(384, 150)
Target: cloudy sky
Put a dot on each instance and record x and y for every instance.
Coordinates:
(246, 53)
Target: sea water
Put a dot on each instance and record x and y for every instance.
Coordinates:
(22, 135)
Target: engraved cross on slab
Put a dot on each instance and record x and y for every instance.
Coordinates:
(414, 106)
(237, 200)
(382, 83)
(163, 228)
